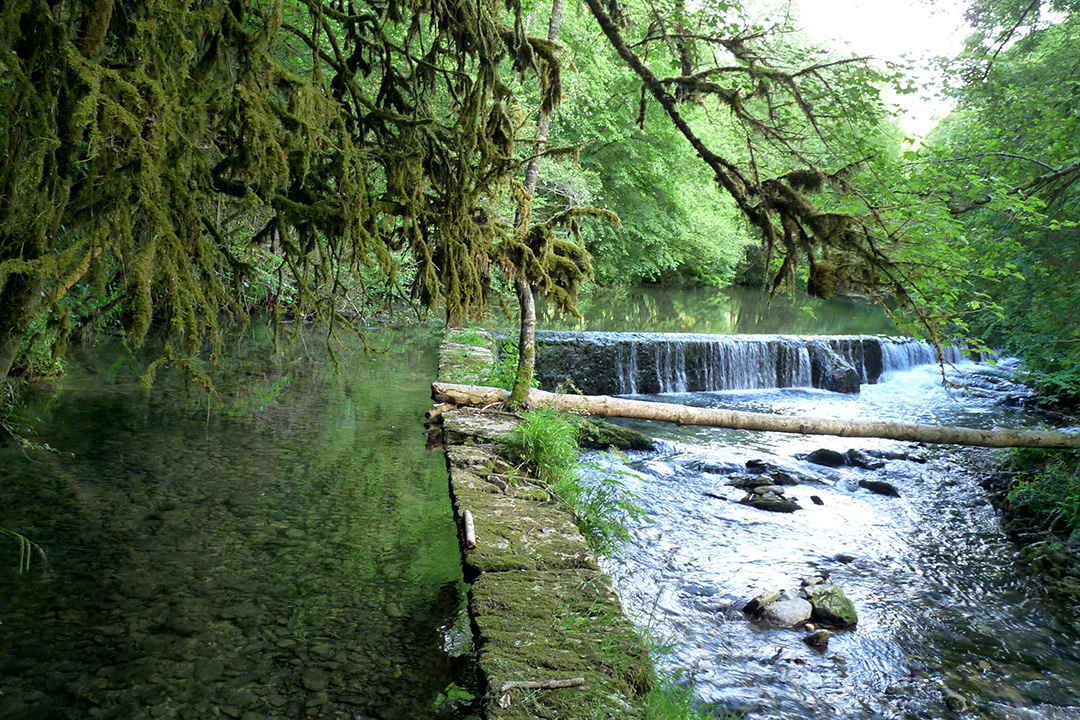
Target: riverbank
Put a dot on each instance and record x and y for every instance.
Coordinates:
(550, 634)
(1037, 494)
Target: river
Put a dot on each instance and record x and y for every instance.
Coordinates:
(950, 625)
(285, 547)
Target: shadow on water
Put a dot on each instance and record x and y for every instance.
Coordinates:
(284, 549)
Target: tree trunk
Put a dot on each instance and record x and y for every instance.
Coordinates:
(606, 406)
(19, 300)
(526, 368)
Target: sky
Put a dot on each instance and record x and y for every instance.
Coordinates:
(889, 30)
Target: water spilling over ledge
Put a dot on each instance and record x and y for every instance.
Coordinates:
(602, 363)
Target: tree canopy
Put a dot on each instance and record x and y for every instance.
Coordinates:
(165, 165)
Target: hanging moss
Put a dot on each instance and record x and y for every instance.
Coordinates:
(163, 150)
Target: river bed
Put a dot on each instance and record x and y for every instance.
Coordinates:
(283, 548)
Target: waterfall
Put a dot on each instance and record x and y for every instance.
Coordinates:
(633, 363)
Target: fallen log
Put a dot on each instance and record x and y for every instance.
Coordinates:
(607, 406)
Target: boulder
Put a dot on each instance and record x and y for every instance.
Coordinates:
(880, 487)
(828, 458)
(779, 477)
(830, 371)
(831, 606)
(761, 600)
(859, 459)
(772, 503)
(789, 611)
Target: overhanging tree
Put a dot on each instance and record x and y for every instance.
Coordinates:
(155, 149)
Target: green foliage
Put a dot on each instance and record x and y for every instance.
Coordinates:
(548, 444)
(677, 225)
(1044, 493)
(176, 164)
(1005, 167)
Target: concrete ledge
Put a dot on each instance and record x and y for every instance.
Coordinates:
(540, 607)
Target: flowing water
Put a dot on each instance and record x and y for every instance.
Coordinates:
(942, 602)
(283, 549)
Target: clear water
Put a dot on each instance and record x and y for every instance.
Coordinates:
(283, 549)
(941, 599)
(709, 310)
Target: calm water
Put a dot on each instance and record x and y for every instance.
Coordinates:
(284, 549)
(708, 310)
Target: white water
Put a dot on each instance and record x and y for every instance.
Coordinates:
(940, 598)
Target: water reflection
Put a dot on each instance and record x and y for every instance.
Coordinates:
(283, 550)
(713, 310)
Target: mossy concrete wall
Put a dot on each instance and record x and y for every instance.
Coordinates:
(541, 608)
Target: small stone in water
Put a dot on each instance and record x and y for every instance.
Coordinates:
(818, 639)
(816, 500)
(766, 489)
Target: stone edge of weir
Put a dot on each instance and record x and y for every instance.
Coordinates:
(550, 634)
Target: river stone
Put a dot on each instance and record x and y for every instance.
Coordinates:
(744, 482)
(827, 457)
(209, 669)
(766, 489)
(831, 605)
(859, 459)
(779, 477)
(789, 611)
(772, 503)
(315, 679)
(818, 639)
(761, 600)
(880, 487)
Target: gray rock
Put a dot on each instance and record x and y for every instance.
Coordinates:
(744, 482)
(789, 611)
(831, 606)
(859, 459)
(953, 700)
(830, 371)
(779, 477)
(766, 489)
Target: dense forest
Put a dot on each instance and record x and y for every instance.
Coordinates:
(165, 167)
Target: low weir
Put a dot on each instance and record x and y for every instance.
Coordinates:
(601, 363)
